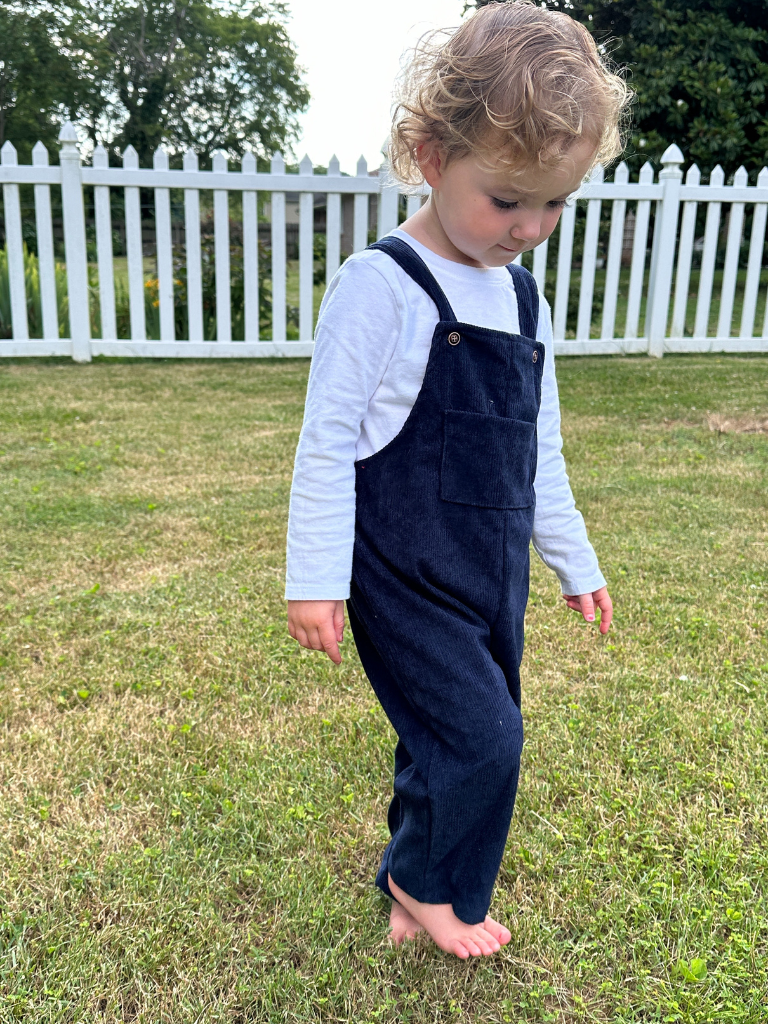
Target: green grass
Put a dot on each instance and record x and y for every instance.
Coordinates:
(193, 807)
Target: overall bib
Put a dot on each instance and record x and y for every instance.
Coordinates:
(444, 514)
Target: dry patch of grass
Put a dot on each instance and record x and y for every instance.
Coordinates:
(750, 424)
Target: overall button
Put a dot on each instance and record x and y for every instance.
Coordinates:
(535, 356)
(454, 338)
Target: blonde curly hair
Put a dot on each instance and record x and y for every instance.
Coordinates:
(516, 83)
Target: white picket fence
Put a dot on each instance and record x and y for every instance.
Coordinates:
(650, 282)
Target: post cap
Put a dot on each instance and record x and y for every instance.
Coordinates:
(68, 132)
(672, 155)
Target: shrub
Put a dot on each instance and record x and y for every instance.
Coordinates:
(32, 287)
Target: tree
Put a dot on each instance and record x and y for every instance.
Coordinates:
(205, 74)
(189, 73)
(699, 69)
(46, 75)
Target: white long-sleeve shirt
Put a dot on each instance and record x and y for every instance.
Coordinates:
(372, 344)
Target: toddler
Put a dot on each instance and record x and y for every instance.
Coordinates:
(430, 453)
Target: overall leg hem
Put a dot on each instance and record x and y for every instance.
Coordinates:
(469, 911)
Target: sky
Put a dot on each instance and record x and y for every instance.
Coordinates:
(351, 52)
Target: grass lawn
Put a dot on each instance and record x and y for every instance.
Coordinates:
(193, 807)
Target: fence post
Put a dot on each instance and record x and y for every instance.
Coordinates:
(74, 244)
(660, 285)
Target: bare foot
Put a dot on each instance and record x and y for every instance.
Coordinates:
(402, 925)
(448, 932)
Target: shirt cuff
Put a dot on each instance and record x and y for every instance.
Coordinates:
(315, 592)
(582, 585)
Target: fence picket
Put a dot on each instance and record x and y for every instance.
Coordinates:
(613, 262)
(14, 248)
(46, 267)
(655, 244)
(135, 251)
(754, 264)
(360, 229)
(250, 253)
(221, 250)
(332, 224)
(192, 252)
(589, 260)
(564, 255)
(413, 205)
(639, 255)
(707, 275)
(278, 255)
(389, 201)
(540, 265)
(306, 255)
(164, 251)
(684, 255)
(104, 254)
(731, 266)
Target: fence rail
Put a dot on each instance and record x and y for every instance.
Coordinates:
(633, 282)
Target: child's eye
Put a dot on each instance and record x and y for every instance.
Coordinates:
(503, 204)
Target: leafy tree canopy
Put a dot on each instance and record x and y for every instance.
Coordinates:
(185, 73)
(45, 75)
(699, 69)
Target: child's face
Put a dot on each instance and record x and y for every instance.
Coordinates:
(488, 216)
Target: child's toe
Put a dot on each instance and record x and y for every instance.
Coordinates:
(484, 935)
(498, 931)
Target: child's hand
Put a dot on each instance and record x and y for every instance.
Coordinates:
(318, 625)
(585, 603)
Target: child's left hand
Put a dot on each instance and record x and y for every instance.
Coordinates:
(586, 603)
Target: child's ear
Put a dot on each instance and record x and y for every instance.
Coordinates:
(431, 161)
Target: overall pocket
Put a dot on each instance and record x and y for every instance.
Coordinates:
(488, 461)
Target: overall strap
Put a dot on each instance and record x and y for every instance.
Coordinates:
(410, 261)
(527, 299)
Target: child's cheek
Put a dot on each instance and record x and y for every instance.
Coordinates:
(549, 223)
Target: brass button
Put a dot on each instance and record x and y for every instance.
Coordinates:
(535, 356)
(454, 338)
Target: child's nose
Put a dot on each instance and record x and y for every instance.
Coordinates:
(528, 227)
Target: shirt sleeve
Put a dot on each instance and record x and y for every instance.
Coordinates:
(559, 534)
(357, 329)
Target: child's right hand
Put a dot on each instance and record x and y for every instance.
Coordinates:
(318, 626)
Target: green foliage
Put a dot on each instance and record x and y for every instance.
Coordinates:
(45, 74)
(32, 289)
(186, 73)
(193, 74)
(180, 298)
(699, 69)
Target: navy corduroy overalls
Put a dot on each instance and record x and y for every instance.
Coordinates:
(444, 514)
